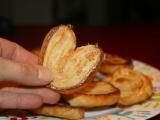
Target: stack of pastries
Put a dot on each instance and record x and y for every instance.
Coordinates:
(76, 80)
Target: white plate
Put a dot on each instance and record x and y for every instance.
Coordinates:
(141, 111)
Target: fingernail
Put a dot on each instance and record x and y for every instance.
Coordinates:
(52, 98)
(45, 75)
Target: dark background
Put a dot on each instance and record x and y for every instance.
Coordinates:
(126, 27)
(129, 28)
(81, 12)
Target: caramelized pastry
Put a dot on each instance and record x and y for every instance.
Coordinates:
(72, 67)
(60, 110)
(111, 63)
(134, 87)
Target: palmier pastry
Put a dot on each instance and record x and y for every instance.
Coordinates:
(60, 110)
(72, 67)
(112, 62)
(134, 86)
(96, 94)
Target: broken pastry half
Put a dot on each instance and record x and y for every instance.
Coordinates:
(72, 67)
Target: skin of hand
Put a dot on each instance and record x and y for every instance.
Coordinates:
(19, 66)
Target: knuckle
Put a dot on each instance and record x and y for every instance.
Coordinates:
(24, 69)
(29, 71)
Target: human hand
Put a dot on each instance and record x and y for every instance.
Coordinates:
(20, 66)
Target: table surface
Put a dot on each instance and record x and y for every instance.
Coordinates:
(140, 41)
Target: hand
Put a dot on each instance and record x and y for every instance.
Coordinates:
(20, 66)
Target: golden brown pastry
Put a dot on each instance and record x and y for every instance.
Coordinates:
(134, 87)
(95, 94)
(113, 62)
(74, 76)
(60, 110)
(72, 67)
(98, 88)
(91, 101)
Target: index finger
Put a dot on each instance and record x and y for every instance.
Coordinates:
(25, 74)
(15, 52)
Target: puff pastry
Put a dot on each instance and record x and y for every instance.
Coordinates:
(112, 62)
(72, 67)
(134, 87)
(95, 94)
(60, 110)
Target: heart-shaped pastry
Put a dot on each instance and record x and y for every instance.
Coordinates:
(72, 67)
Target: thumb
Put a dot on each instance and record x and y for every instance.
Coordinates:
(26, 74)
